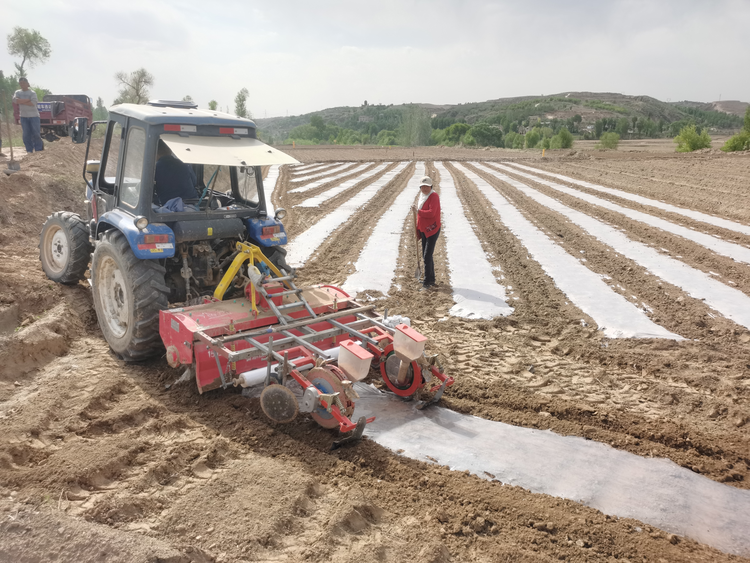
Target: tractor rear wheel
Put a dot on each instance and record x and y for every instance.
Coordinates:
(128, 295)
(64, 248)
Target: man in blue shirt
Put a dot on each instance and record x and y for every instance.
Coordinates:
(174, 178)
(30, 123)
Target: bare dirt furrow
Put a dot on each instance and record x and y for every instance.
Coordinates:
(702, 185)
(300, 197)
(725, 269)
(700, 226)
(654, 378)
(334, 259)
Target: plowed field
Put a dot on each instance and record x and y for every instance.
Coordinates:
(103, 461)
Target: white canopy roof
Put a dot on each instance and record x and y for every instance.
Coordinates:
(225, 151)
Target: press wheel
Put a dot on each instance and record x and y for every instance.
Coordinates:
(279, 404)
(328, 380)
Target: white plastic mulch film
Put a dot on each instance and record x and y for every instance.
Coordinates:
(376, 266)
(614, 314)
(476, 291)
(728, 301)
(225, 151)
(653, 490)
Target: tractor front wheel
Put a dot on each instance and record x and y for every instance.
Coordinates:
(64, 248)
(128, 295)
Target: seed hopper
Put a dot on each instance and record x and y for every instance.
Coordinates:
(319, 336)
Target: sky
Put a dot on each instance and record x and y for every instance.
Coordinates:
(296, 57)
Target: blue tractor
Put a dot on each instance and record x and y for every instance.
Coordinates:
(176, 188)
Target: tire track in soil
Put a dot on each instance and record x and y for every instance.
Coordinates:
(333, 261)
(689, 252)
(671, 373)
(699, 226)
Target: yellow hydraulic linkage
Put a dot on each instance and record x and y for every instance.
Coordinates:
(253, 254)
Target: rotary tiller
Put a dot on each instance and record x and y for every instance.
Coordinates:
(319, 336)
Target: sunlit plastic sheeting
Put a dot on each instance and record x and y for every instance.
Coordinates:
(734, 251)
(376, 265)
(692, 214)
(476, 291)
(225, 151)
(341, 188)
(328, 179)
(655, 491)
(614, 314)
(269, 185)
(728, 301)
(306, 243)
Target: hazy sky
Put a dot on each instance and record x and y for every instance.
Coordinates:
(300, 56)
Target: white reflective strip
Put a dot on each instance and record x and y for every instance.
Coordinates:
(319, 173)
(730, 249)
(731, 303)
(309, 168)
(318, 183)
(304, 244)
(341, 188)
(614, 314)
(269, 185)
(655, 491)
(697, 215)
(376, 265)
(188, 128)
(476, 292)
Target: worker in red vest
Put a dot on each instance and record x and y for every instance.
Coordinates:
(428, 227)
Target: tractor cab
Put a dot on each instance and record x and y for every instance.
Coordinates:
(221, 154)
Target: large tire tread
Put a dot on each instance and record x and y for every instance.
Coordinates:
(79, 244)
(150, 295)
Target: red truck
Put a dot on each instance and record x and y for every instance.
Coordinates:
(57, 112)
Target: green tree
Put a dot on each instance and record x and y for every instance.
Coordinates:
(212, 105)
(100, 112)
(455, 132)
(690, 139)
(187, 98)
(486, 135)
(240, 104)
(563, 140)
(30, 46)
(741, 141)
(598, 128)
(134, 86)
(415, 126)
(533, 137)
(608, 140)
(386, 137)
(622, 127)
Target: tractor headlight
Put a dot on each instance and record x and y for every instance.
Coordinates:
(280, 214)
(141, 223)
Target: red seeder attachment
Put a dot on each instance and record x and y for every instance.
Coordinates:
(279, 331)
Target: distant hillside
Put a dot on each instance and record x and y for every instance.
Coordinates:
(591, 106)
(732, 107)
